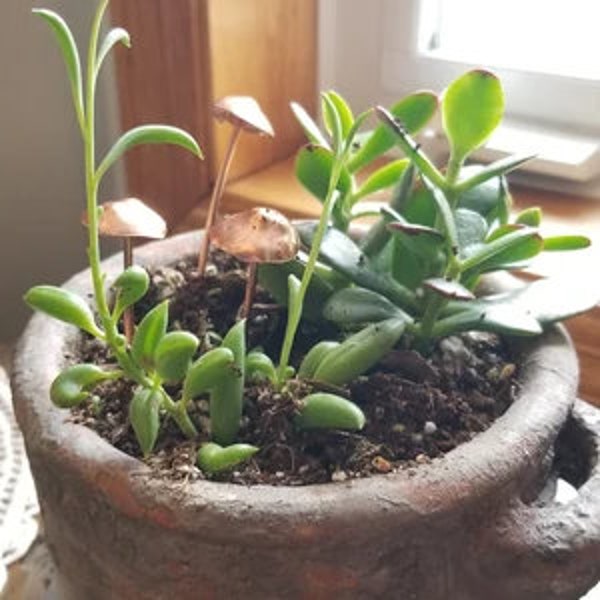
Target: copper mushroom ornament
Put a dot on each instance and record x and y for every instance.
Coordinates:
(127, 219)
(256, 236)
(245, 114)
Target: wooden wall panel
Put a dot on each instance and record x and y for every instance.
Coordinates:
(267, 49)
(165, 78)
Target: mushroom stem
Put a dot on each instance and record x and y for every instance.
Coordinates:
(250, 287)
(128, 325)
(216, 197)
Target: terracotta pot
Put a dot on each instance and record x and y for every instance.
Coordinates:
(466, 526)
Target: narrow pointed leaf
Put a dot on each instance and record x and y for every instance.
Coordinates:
(503, 230)
(145, 418)
(148, 134)
(343, 110)
(328, 411)
(313, 166)
(213, 458)
(414, 111)
(333, 121)
(70, 55)
(173, 355)
(63, 305)
(311, 129)
(472, 108)
(115, 36)
(495, 169)
(73, 385)
(149, 333)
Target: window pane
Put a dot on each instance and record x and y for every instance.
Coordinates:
(547, 36)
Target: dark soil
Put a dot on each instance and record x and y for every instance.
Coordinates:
(416, 409)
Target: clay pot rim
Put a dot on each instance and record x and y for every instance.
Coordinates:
(496, 463)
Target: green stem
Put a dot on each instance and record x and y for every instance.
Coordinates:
(294, 316)
(113, 338)
(178, 410)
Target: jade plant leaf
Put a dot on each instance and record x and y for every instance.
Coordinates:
(532, 217)
(144, 416)
(72, 386)
(343, 254)
(333, 122)
(361, 351)
(131, 285)
(63, 305)
(148, 134)
(566, 242)
(173, 355)
(448, 289)
(314, 165)
(149, 333)
(381, 179)
(344, 112)
(356, 305)
(68, 48)
(414, 111)
(471, 229)
(259, 367)
(495, 169)
(213, 458)
(472, 107)
(115, 36)
(311, 129)
(329, 411)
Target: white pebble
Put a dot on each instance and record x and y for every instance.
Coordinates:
(429, 428)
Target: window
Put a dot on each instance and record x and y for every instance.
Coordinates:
(547, 53)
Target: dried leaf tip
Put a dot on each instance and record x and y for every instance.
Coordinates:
(258, 235)
(129, 217)
(244, 112)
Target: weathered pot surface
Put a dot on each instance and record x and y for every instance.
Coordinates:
(464, 527)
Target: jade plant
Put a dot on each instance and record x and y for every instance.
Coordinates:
(157, 361)
(412, 277)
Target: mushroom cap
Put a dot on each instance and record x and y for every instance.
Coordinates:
(244, 112)
(129, 217)
(258, 235)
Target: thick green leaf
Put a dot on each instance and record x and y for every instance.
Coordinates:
(144, 417)
(410, 148)
(73, 385)
(149, 333)
(227, 397)
(213, 458)
(70, 54)
(357, 306)
(343, 110)
(381, 179)
(472, 107)
(510, 248)
(148, 134)
(471, 229)
(361, 351)
(115, 36)
(328, 411)
(414, 112)
(503, 230)
(173, 355)
(495, 169)
(131, 285)
(209, 371)
(314, 357)
(566, 242)
(259, 366)
(64, 306)
(344, 255)
(314, 165)
(532, 217)
(311, 129)
(484, 199)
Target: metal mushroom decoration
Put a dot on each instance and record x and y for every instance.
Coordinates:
(256, 236)
(245, 114)
(128, 219)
